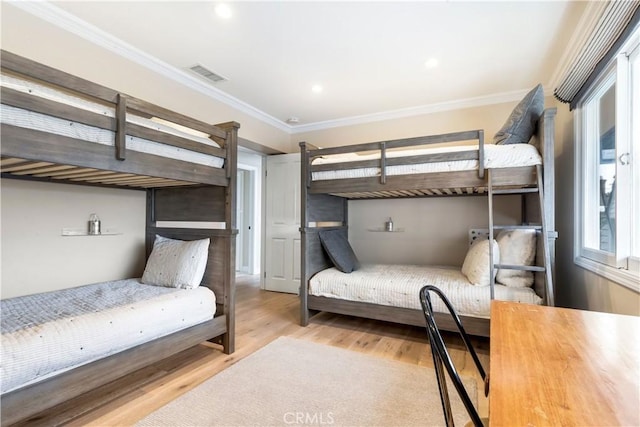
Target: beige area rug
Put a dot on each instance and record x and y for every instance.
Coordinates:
(292, 382)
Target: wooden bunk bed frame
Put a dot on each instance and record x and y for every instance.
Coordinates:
(327, 201)
(176, 191)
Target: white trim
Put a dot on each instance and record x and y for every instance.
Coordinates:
(414, 111)
(634, 60)
(577, 182)
(59, 17)
(54, 15)
(255, 172)
(623, 123)
(622, 277)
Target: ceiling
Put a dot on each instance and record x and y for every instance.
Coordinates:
(369, 57)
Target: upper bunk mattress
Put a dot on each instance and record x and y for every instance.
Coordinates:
(399, 286)
(49, 333)
(496, 156)
(45, 123)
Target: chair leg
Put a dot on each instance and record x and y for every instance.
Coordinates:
(442, 386)
(442, 359)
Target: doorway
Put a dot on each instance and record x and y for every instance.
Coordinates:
(244, 221)
(248, 212)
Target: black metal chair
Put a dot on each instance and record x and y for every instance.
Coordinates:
(442, 360)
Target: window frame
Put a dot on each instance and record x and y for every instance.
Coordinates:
(622, 266)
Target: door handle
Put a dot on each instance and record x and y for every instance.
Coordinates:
(624, 158)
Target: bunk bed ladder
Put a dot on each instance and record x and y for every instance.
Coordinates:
(540, 228)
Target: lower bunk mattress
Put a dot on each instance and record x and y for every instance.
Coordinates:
(46, 334)
(399, 286)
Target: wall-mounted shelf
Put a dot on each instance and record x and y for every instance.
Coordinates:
(382, 230)
(91, 235)
(68, 232)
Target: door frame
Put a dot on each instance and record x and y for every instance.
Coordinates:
(245, 247)
(254, 163)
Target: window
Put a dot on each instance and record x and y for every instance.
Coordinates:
(608, 169)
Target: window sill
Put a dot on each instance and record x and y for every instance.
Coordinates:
(624, 278)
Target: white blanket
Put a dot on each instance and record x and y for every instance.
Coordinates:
(42, 122)
(496, 156)
(49, 333)
(399, 286)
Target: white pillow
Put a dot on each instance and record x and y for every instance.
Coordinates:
(517, 247)
(476, 264)
(176, 263)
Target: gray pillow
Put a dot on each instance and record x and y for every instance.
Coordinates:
(521, 124)
(339, 250)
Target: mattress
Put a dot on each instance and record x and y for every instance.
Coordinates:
(42, 122)
(399, 286)
(49, 333)
(496, 156)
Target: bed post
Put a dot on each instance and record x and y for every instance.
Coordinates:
(304, 280)
(547, 150)
(315, 208)
(231, 167)
(545, 142)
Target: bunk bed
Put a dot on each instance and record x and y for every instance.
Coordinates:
(59, 128)
(461, 164)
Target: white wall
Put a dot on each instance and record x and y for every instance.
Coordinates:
(37, 258)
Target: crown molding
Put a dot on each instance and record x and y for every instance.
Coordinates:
(60, 18)
(56, 16)
(414, 111)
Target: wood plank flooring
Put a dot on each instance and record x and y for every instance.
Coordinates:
(261, 318)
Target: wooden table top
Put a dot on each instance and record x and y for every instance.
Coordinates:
(563, 367)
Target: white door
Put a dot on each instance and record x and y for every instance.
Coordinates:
(282, 235)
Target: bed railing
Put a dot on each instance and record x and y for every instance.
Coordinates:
(384, 160)
(16, 139)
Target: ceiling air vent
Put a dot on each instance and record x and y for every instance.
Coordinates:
(207, 74)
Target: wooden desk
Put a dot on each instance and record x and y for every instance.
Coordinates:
(561, 367)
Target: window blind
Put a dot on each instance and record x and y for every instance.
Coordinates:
(614, 19)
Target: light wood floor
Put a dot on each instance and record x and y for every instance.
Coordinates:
(261, 318)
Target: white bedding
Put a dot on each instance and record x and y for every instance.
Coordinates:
(496, 156)
(399, 285)
(49, 333)
(37, 121)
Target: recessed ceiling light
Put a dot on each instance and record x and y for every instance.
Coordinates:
(316, 88)
(223, 11)
(431, 63)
